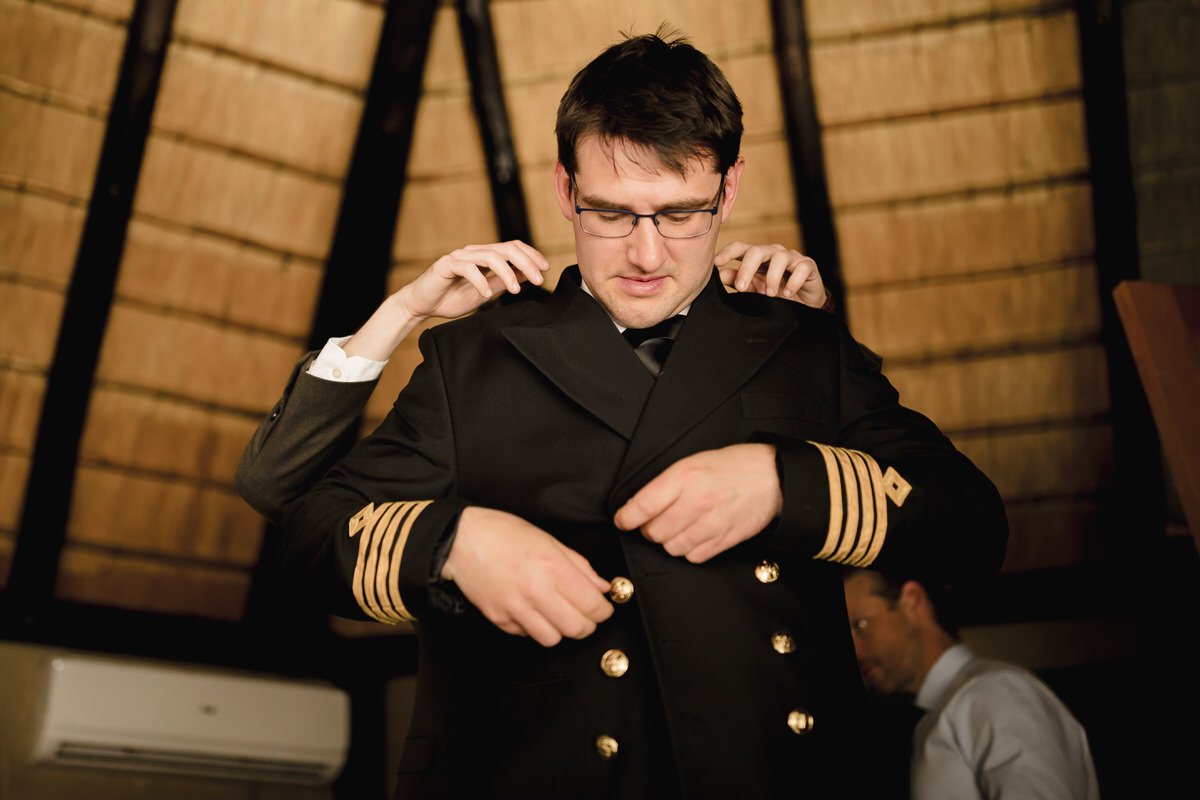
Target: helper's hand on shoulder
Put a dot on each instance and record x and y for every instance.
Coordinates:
(708, 502)
(524, 580)
(461, 281)
(773, 270)
(454, 285)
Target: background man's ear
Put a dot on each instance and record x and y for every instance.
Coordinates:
(913, 596)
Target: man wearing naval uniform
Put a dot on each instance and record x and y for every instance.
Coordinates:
(625, 567)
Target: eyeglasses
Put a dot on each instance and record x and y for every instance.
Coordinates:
(673, 223)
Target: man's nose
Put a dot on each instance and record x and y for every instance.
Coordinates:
(646, 249)
(860, 652)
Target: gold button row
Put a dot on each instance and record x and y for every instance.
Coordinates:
(614, 663)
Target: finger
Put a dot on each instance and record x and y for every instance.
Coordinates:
(529, 262)
(473, 275)
(729, 252)
(752, 261)
(704, 551)
(684, 517)
(567, 620)
(585, 591)
(535, 256)
(513, 255)
(588, 603)
(727, 275)
(538, 627)
(511, 628)
(680, 545)
(582, 564)
(496, 262)
(801, 272)
(650, 500)
(776, 269)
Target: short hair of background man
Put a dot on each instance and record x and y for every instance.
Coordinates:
(889, 587)
(658, 93)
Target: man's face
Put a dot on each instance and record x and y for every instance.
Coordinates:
(644, 278)
(886, 640)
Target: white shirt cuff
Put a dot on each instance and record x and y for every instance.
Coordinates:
(332, 364)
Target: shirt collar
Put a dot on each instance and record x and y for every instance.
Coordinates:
(942, 674)
(620, 328)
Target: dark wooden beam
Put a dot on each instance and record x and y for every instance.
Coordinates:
(42, 530)
(487, 96)
(1138, 496)
(361, 253)
(813, 208)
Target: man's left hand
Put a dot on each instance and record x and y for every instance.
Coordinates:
(706, 503)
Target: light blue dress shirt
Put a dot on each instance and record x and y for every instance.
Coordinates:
(993, 730)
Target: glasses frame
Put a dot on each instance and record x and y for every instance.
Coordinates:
(712, 212)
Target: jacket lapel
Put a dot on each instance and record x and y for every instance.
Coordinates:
(576, 346)
(718, 350)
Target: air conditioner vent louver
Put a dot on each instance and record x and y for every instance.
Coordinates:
(148, 760)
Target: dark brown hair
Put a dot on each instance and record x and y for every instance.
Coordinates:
(656, 92)
(889, 586)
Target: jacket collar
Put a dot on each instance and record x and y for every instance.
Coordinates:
(574, 343)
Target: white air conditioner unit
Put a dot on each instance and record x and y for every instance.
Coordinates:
(119, 715)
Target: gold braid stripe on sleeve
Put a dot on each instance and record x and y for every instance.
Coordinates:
(858, 512)
(384, 532)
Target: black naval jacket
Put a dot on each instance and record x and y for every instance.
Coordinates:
(740, 676)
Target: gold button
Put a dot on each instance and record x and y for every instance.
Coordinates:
(607, 747)
(621, 590)
(614, 663)
(800, 721)
(783, 643)
(767, 572)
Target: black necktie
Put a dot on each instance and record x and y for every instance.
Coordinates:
(652, 344)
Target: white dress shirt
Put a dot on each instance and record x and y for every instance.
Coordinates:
(993, 730)
(332, 364)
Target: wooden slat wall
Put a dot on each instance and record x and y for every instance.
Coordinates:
(58, 67)
(249, 145)
(957, 162)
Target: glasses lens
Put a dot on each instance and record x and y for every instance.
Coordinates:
(606, 223)
(684, 224)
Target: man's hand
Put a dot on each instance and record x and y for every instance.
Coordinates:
(455, 284)
(706, 503)
(772, 270)
(523, 579)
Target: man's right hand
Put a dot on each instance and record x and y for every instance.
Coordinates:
(524, 580)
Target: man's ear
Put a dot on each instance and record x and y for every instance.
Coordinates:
(562, 191)
(733, 181)
(913, 600)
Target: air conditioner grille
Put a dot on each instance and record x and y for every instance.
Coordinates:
(144, 758)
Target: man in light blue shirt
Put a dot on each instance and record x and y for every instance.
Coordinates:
(990, 729)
